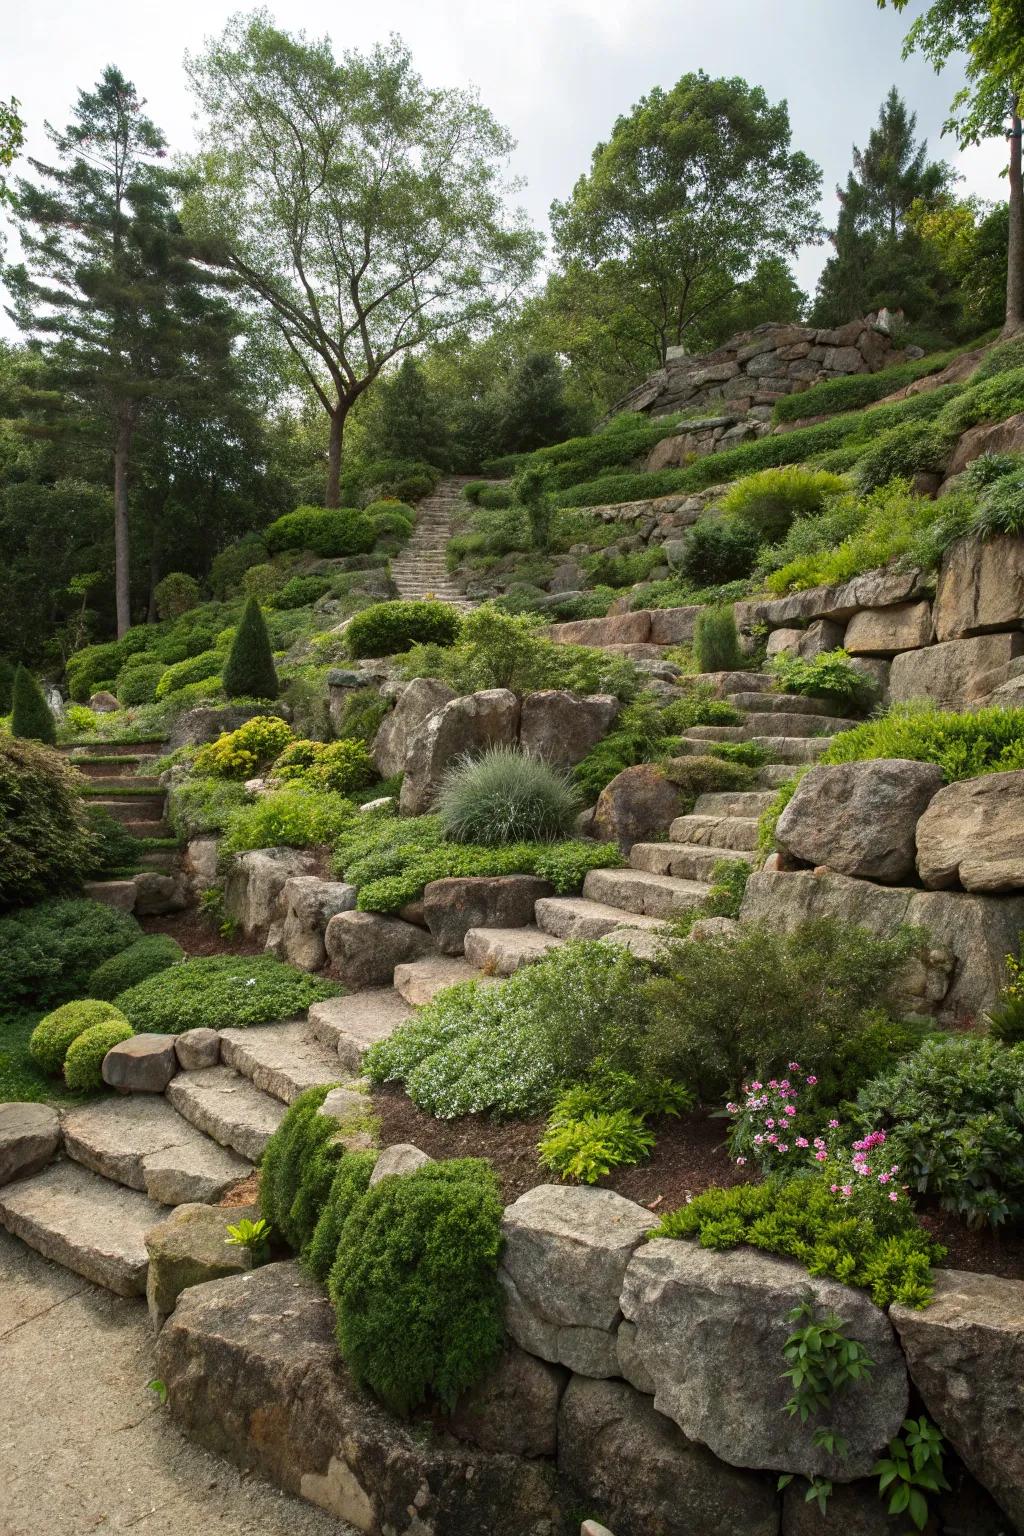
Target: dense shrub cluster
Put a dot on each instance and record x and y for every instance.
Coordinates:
(83, 1063)
(298, 1168)
(385, 629)
(241, 753)
(297, 816)
(195, 669)
(506, 796)
(829, 676)
(46, 844)
(329, 533)
(769, 501)
(49, 951)
(985, 741)
(144, 958)
(221, 991)
(336, 766)
(54, 1035)
(855, 391)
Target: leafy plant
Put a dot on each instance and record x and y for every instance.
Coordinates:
(148, 955)
(328, 533)
(49, 951)
(202, 805)
(195, 669)
(1006, 1017)
(716, 641)
(249, 670)
(769, 500)
(587, 1148)
(912, 1470)
(46, 843)
(964, 746)
(175, 594)
(829, 676)
(139, 685)
(217, 991)
(238, 754)
(253, 1236)
(385, 629)
(822, 1364)
(505, 796)
(718, 549)
(83, 1062)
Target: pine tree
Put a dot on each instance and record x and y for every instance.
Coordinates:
(535, 411)
(30, 714)
(249, 672)
(408, 422)
(6, 685)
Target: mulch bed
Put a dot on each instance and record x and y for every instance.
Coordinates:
(982, 1251)
(199, 934)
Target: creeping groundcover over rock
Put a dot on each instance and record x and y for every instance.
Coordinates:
(221, 991)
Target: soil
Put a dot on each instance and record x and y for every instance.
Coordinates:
(982, 1251)
(199, 934)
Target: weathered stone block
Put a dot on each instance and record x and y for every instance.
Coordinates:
(188, 1248)
(197, 1048)
(29, 1138)
(515, 1408)
(416, 702)
(364, 947)
(859, 818)
(885, 631)
(305, 907)
(637, 806)
(453, 906)
(562, 727)
(143, 1064)
(973, 831)
(618, 629)
(951, 674)
(255, 881)
(981, 587)
(468, 724)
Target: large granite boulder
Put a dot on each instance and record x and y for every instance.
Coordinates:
(562, 727)
(468, 724)
(981, 587)
(859, 818)
(973, 832)
(255, 881)
(514, 1408)
(966, 1357)
(305, 907)
(415, 703)
(637, 806)
(188, 1248)
(562, 1266)
(199, 860)
(363, 948)
(29, 1138)
(955, 673)
(453, 906)
(252, 1373)
(885, 631)
(999, 437)
(198, 726)
(710, 1329)
(157, 893)
(634, 1464)
(615, 629)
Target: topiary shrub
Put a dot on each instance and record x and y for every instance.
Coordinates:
(31, 716)
(716, 641)
(144, 958)
(249, 671)
(46, 843)
(386, 629)
(415, 1284)
(139, 684)
(298, 1167)
(175, 595)
(506, 796)
(83, 1064)
(195, 669)
(216, 991)
(769, 501)
(53, 1035)
(49, 951)
(327, 532)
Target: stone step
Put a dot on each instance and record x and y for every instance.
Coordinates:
(143, 828)
(158, 858)
(762, 702)
(786, 723)
(131, 807)
(792, 749)
(743, 803)
(635, 890)
(228, 1107)
(141, 1141)
(575, 917)
(684, 861)
(715, 733)
(352, 1024)
(101, 778)
(85, 1223)
(724, 683)
(417, 981)
(774, 775)
(732, 832)
(281, 1059)
(501, 951)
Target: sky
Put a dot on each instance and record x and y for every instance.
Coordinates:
(557, 73)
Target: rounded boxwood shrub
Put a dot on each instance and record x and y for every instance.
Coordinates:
(218, 991)
(415, 1283)
(329, 532)
(83, 1064)
(231, 564)
(385, 629)
(143, 958)
(175, 595)
(249, 671)
(139, 684)
(300, 592)
(339, 766)
(89, 666)
(53, 1035)
(45, 840)
(195, 669)
(506, 796)
(31, 716)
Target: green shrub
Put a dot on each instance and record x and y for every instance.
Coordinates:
(505, 796)
(297, 816)
(300, 592)
(83, 1064)
(953, 1114)
(114, 848)
(716, 641)
(298, 1167)
(1001, 507)
(175, 595)
(31, 716)
(90, 666)
(203, 805)
(218, 991)
(385, 629)
(587, 1147)
(46, 844)
(196, 669)
(1006, 1016)
(362, 715)
(415, 1284)
(642, 734)
(231, 564)
(339, 766)
(829, 676)
(144, 958)
(985, 399)
(238, 754)
(138, 685)
(57, 1031)
(349, 1185)
(904, 451)
(718, 549)
(49, 951)
(328, 533)
(704, 775)
(249, 670)
(854, 391)
(964, 746)
(769, 501)
(262, 581)
(406, 479)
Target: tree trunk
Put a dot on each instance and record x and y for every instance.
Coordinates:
(1015, 244)
(122, 559)
(337, 418)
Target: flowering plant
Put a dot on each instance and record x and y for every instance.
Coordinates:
(767, 1128)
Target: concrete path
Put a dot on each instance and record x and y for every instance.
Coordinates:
(85, 1447)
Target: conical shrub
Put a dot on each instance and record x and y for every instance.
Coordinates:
(249, 671)
(31, 716)
(6, 685)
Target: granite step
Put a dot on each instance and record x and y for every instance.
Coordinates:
(635, 890)
(791, 723)
(141, 1141)
(281, 1059)
(417, 981)
(502, 951)
(134, 807)
(684, 861)
(783, 703)
(715, 733)
(85, 1223)
(792, 749)
(739, 803)
(228, 1107)
(773, 775)
(575, 917)
(353, 1023)
(738, 833)
(142, 828)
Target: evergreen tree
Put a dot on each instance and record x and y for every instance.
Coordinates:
(30, 714)
(6, 685)
(408, 422)
(534, 410)
(249, 672)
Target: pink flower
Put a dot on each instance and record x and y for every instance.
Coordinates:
(847, 1190)
(770, 1123)
(821, 1157)
(758, 1140)
(812, 1080)
(740, 1162)
(772, 1139)
(802, 1141)
(783, 1147)
(794, 1066)
(833, 1125)
(883, 1178)
(790, 1109)
(893, 1195)
(733, 1109)
(819, 1141)
(755, 1087)
(834, 1188)
(784, 1085)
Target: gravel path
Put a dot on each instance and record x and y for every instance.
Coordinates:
(84, 1446)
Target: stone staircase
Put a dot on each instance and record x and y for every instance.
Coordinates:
(421, 569)
(117, 780)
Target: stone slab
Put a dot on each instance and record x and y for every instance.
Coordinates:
(227, 1107)
(145, 1144)
(282, 1059)
(354, 1023)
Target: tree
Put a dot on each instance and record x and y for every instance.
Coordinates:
(12, 137)
(249, 671)
(877, 257)
(407, 421)
(6, 685)
(533, 409)
(31, 716)
(694, 188)
(964, 240)
(111, 291)
(991, 34)
(364, 210)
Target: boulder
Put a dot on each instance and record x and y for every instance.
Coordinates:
(464, 725)
(981, 587)
(400, 1158)
(157, 894)
(103, 703)
(143, 1064)
(567, 578)
(514, 1408)
(973, 832)
(417, 700)
(1002, 437)
(674, 626)
(119, 894)
(859, 818)
(197, 1049)
(633, 1463)
(952, 674)
(29, 1138)
(562, 1266)
(885, 631)
(306, 905)
(252, 1372)
(966, 1357)
(616, 629)
(198, 726)
(453, 906)
(700, 1312)
(821, 636)
(962, 972)
(255, 881)
(784, 642)
(199, 864)
(562, 727)
(364, 947)
(188, 1248)
(637, 806)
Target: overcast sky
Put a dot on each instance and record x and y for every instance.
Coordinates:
(556, 72)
